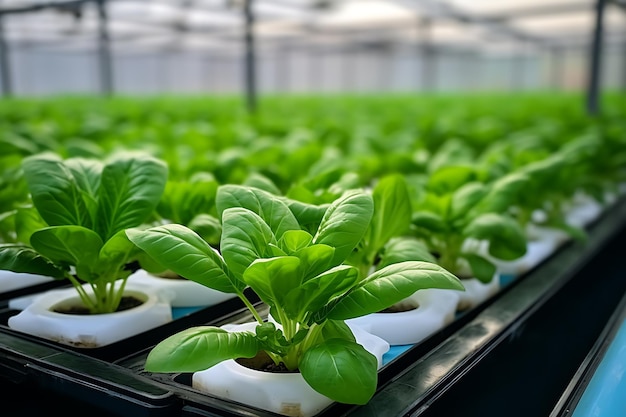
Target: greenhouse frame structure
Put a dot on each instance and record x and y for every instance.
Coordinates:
(427, 13)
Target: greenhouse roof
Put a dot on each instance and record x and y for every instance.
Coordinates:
(135, 26)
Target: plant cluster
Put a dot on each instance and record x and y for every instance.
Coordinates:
(300, 276)
(75, 228)
(327, 213)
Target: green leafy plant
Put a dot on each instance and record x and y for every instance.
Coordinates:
(550, 185)
(83, 208)
(192, 203)
(386, 240)
(456, 208)
(308, 216)
(303, 280)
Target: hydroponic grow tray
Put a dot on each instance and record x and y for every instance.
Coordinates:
(421, 380)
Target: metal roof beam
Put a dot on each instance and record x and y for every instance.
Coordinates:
(537, 11)
(440, 10)
(66, 5)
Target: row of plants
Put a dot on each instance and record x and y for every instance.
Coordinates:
(326, 225)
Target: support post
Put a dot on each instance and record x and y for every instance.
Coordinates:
(104, 51)
(593, 86)
(5, 65)
(249, 64)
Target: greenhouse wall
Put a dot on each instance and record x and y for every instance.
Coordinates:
(42, 72)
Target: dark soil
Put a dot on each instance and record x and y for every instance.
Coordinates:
(398, 309)
(262, 362)
(126, 303)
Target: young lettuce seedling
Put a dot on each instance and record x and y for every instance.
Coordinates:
(192, 203)
(86, 206)
(387, 239)
(464, 209)
(303, 280)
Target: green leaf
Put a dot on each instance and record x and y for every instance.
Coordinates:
(482, 269)
(336, 329)
(402, 249)
(315, 293)
(341, 370)
(148, 263)
(27, 222)
(575, 232)
(345, 222)
(21, 258)
(87, 175)
(391, 284)
(392, 211)
(294, 240)
(130, 189)
(427, 223)
(273, 340)
(504, 193)
(465, 198)
(183, 200)
(54, 191)
(68, 245)
(273, 278)
(447, 179)
(267, 206)
(208, 227)
(200, 348)
(315, 259)
(506, 237)
(261, 182)
(181, 250)
(309, 216)
(452, 151)
(13, 143)
(117, 252)
(245, 238)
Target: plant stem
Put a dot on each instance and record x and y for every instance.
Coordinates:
(81, 292)
(248, 304)
(450, 254)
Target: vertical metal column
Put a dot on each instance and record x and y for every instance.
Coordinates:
(250, 64)
(5, 65)
(593, 86)
(104, 50)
